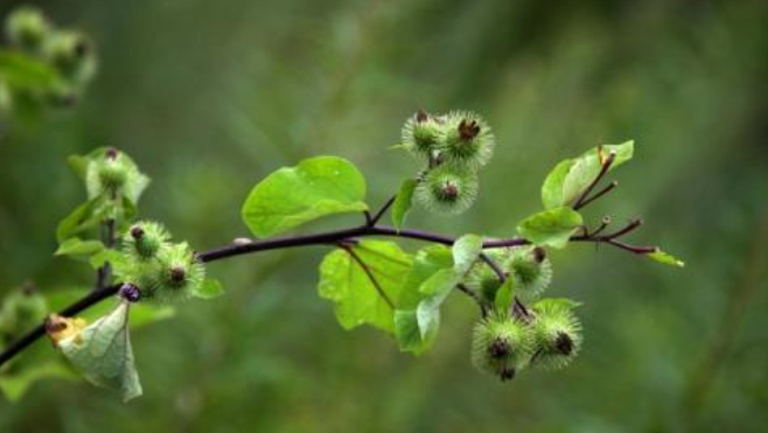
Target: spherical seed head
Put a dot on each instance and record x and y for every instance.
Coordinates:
(447, 189)
(531, 270)
(144, 239)
(421, 134)
(467, 140)
(27, 27)
(112, 174)
(501, 345)
(179, 273)
(557, 335)
(68, 51)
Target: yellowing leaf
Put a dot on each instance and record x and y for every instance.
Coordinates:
(102, 353)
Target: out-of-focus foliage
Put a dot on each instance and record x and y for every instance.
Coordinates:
(209, 97)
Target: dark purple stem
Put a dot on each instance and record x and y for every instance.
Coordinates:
(603, 170)
(327, 238)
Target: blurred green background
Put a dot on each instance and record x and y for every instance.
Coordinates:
(209, 97)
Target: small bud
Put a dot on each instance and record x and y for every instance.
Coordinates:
(144, 239)
(130, 292)
(507, 374)
(421, 134)
(137, 232)
(71, 54)
(467, 140)
(500, 346)
(113, 173)
(27, 27)
(564, 343)
(447, 189)
(499, 349)
(468, 130)
(178, 275)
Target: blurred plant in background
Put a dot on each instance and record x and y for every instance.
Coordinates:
(42, 65)
(214, 96)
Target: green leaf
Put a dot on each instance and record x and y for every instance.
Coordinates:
(102, 353)
(505, 295)
(211, 288)
(293, 196)
(79, 247)
(82, 218)
(119, 262)
(403, 202)
(571, 177)
(551, 227)
(466, 250)
(430, 281)
(15, 385)
(344, 281)
(552, 190)
(408, 334)
(20, 71)
(416, 330)
(79, 163)
(440, 286)
(665, 258)
(427, 262)
(586, 168)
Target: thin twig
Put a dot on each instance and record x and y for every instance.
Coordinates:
(630, 227)
(606, 165)
(632, 248)
(376, 218)
(331, 237)
(494, 267)
(475, 297)
(598, 194)
(603, 225)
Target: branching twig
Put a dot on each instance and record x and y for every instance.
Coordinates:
(598, 194)
(376, 218)
(605, 166)
(472, 294)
